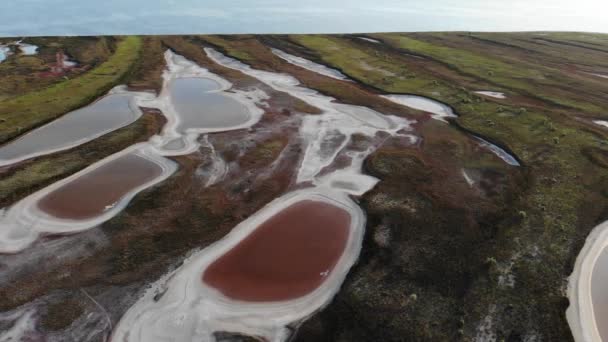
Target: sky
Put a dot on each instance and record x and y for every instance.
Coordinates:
(88, 17)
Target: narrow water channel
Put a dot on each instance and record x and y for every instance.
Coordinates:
(438, 110)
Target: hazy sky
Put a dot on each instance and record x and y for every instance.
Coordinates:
(71, 17)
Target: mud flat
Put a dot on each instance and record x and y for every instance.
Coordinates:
(438, 110)
(588, 289)
(494, 94)
(21, 324)
(116, 110)
(85, 199)
(310, 65)
(273, 295)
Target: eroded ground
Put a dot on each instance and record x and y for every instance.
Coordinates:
(462, 242)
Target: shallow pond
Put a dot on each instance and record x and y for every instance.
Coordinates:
(601, 122)
(199, 105)
(499, 152)
(93, 193)
(286, 257)
(370, 40)
(77, 127)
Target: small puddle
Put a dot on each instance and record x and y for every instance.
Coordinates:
(199, 105)
(97, 191)
(494, 94)
(286, 257)
(27, 49)
(310, 65)
(369, 40)
(108, 114)
(438, 110)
